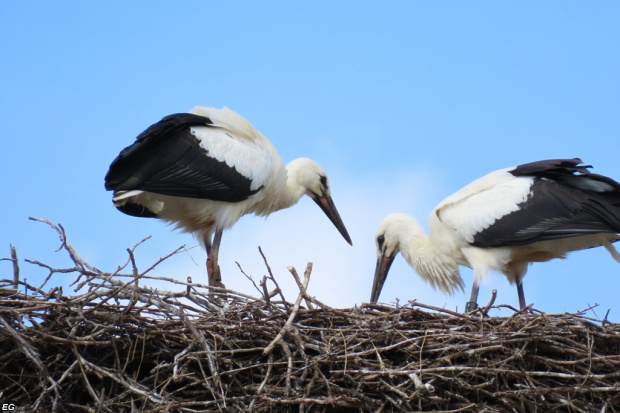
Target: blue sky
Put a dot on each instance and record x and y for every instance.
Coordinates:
(402, 103)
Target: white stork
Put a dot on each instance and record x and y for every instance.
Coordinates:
(204, 170)
(504, 221)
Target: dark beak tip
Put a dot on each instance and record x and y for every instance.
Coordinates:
(326, 203)
(347, 238)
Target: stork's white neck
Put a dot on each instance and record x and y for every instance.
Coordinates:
(282, 193)
(292, 195)
(300, 173)
(431, 264)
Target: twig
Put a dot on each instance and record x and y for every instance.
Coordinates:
(293, 313)
(293, 271)
(251, 280)
(485, 310)
(265, 292)
(273, 279)
(605, 321)
(15, 267)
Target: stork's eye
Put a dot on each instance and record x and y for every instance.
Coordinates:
(380, 241)
(323, 181)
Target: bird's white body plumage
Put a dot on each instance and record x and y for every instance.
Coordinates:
(475, 207)
(479, 205)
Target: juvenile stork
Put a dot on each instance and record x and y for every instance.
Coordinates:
(203, 170)
(504, 221)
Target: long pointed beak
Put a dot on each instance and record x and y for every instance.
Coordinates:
(381, 271)
(326, 203)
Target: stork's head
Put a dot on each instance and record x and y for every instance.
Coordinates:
(306, 177)
(387, 241)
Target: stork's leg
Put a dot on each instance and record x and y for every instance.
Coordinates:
(207, 240)
(213, 269)
(472, 304)
(521, 294)
(209, 247)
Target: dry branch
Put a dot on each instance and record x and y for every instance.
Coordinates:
(119, 346)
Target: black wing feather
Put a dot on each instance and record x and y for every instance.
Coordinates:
(167, 159)
(565, 200)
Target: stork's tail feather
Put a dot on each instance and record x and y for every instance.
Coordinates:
(120, 196)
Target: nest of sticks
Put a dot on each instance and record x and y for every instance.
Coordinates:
(119, 346)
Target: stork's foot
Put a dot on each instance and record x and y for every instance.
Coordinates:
(470, 306)
(526, 310)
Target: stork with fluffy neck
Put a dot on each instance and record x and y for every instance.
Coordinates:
(203, 170)
(433, 260)
(504, 221)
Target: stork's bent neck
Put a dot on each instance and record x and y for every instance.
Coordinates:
(291, 195)
(430, 262)
(282, 193)
(291, 190)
